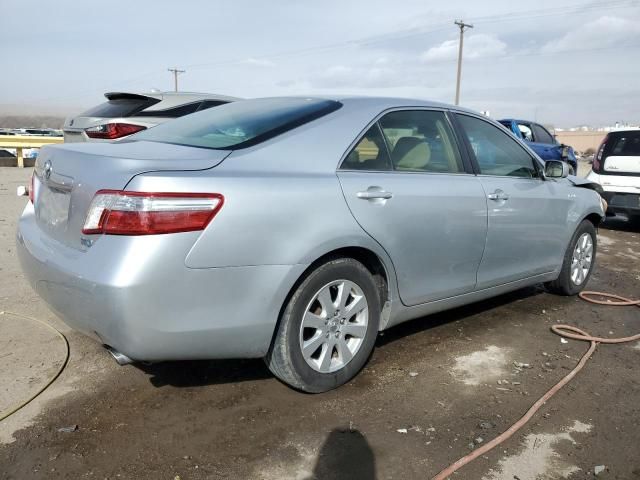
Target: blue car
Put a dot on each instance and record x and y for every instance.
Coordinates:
(541, 141)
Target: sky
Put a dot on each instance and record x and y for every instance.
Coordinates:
(560, 62)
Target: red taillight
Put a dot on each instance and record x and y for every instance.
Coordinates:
(597, 158)
(111, 131)
(118, 212)
(31, 188)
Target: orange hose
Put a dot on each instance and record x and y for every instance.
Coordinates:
(567, 331)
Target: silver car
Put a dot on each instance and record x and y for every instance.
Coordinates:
(296, 229)
(124, 114)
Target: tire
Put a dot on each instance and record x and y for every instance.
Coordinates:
(572, 281)
(342, 334)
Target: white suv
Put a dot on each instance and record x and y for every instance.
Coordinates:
(616, 166)
(124, 114)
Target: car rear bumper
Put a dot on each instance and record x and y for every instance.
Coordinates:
(136, 295)
(622, 202)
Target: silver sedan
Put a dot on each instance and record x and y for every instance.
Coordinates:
(296, 229)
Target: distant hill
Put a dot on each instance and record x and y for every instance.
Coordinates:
(34, 121)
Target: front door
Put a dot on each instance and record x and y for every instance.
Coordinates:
(527, 215)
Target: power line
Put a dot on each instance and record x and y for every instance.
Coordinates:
(435, 28)
(399, 34)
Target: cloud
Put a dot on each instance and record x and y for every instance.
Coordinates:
(601, 33)
(259, 62)
(475, 46)
(340, 76)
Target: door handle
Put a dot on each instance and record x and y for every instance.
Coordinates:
(372, 194)
(498, 195)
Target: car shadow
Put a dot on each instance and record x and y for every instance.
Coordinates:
(620, 224)
(199, 373)
(434, 320)
(345, 455)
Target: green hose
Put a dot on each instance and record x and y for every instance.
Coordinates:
(15, 408)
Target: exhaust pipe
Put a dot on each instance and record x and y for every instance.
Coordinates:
(119, 357)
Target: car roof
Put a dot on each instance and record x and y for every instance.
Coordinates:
(383, 103)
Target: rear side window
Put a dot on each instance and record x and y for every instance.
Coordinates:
(369, 154)
(239, 124)
(181, 110)
(541, 135)
(210, 103)
(121, 107)
(496, 152)
(175, 112)
(421, 141)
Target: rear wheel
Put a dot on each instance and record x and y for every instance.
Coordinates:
(328, 328)
(578, 263)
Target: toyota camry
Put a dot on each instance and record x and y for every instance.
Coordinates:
(296, 229)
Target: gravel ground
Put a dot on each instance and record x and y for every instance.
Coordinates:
(434, 389)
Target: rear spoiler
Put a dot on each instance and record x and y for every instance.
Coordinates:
(125, 95)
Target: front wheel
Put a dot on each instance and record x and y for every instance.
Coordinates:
(579, 261)
(328, 328)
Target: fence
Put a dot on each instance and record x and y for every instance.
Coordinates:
(20, 142)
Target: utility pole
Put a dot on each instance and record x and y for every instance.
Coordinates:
(462, 26)
(175, 72)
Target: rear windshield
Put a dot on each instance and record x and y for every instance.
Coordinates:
(625, 144)
(120, 107)
(239, 124)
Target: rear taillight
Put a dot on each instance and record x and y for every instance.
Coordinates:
(111, 131)
(597, 158)
(118, 212)
(32, 194)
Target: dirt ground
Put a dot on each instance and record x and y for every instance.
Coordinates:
(434, 389)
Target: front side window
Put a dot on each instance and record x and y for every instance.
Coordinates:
(369, 154)
(239, 124)
(496, 152)
(542, 135)
(421, 141)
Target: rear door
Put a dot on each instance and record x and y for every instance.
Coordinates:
(527, 215)
(407, 186)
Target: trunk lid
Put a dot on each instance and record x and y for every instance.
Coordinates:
(118, 105)
(68, 175)
(621, 173)
(622, 164)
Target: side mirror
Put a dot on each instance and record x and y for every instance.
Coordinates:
(556, 169)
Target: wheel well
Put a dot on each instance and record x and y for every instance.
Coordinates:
(594, 218)
(369, 259)
(365, 256)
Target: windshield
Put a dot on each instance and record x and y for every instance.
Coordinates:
(239, 124)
